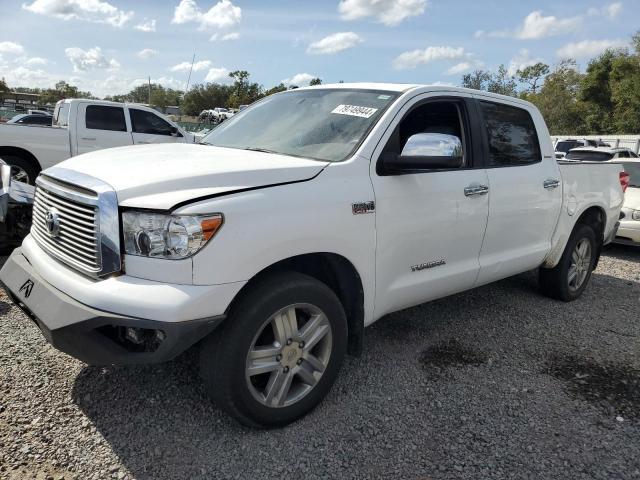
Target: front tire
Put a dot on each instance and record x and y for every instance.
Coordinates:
(278, 353)
(22, 169)
(567, 280)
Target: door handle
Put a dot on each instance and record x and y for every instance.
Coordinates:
(90, 139)
(474, 190)
(143, 143)
(551, 183)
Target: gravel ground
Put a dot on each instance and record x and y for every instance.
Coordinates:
(498, 382)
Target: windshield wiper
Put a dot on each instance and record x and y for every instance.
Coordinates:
(258, 149)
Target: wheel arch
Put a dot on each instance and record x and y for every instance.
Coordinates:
(596, 218)
(22, 153)
(335, 271)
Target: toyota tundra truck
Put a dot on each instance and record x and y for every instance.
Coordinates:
(294, 225)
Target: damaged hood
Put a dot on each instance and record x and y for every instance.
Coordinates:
(162, 176)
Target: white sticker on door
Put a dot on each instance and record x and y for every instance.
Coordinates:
(354, 111)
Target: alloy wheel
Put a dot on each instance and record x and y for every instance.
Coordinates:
(580, 264)
(288, 355)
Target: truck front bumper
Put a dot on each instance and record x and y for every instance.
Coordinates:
(94, 336)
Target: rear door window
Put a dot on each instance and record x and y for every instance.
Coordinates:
(511, 135)
(102, 117)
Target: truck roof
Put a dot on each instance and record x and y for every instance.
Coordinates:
(406, 87)
(103, 102)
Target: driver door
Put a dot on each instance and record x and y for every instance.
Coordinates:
(147, 127)
(429, 224)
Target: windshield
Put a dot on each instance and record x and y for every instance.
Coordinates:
(589, 156)
(566, 146)
(321, 124)
(633, 169)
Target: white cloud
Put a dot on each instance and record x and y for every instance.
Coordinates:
(535, 26)
(458, 68)
(299, 79)
(223, 14)
(84, 60)
(27, 77)
(224, 38)
(117, 84)
(146, 26)
(88, 10)
(612, 10)
(36, 61)
(522, 60)
(217, 75)
(146, 53)
(11, 47)
(388, 12)
(334, 43)
(186, 66)
(420, 57)
(588, 48)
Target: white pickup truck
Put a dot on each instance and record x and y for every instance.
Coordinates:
(81, 126)
(301, 220)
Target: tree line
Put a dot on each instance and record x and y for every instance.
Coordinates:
(605, 99)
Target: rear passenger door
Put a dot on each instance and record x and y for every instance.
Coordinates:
(148, 127)
(525, 189)
(101, 126)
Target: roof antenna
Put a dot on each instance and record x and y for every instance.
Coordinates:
(190, 70)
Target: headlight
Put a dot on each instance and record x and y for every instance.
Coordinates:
(636, 215)
(167, 236)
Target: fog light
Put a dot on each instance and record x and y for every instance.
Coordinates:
(636, 215)
(134, 335)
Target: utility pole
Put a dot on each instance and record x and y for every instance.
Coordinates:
(149, 90)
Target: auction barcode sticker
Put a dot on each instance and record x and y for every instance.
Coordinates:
(354, 111)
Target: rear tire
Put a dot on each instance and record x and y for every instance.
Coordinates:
(278, 353)
(22, 169)
(567, 280)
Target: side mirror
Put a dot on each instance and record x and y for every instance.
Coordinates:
(426, 151)
(175, 132)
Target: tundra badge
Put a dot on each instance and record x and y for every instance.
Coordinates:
(423, 266)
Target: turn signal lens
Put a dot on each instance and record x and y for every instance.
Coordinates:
(210, 226)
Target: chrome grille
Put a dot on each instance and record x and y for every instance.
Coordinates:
(77, 241)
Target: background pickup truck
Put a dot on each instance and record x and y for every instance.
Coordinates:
(81, 126)
(310, 215)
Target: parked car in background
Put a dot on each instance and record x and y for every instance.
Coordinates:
(16, 205)
(81, 126)
(242, 107)
(294, 225)
(31, 119)
(599, 154)
(629, 231)
(563, 146)
(215, 115)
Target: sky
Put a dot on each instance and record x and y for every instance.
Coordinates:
(110, 46)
